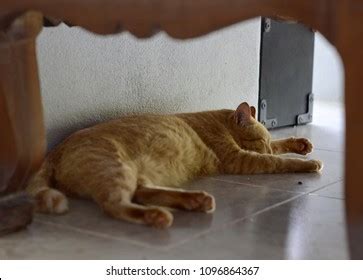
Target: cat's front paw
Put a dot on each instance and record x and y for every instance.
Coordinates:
(315, 165)
(302, 146)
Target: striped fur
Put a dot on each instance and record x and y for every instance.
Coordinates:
(131, 166)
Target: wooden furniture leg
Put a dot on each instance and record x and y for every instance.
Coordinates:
(22, 141)
(353, 161)
(348, 41)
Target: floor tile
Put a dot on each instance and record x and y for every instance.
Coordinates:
(234, 202)
(297, 182)
(334, 191)
(309, 227)
(42, 241)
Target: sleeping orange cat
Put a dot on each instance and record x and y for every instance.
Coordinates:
(132, 166)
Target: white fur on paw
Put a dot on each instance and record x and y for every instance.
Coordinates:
(52, 201)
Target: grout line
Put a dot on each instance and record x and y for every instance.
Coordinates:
(239, 183)
(165, 249)
(328, 150)
(329, 197)
(325, 186)
(259, 186)
(271, 207)
(340, 179)
(231, 223)
(97, 234)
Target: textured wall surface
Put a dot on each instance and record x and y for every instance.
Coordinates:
(87, 79)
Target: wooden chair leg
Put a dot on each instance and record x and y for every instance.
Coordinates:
(15, 212)
(22, 141)
(353, 164)
(354, 185)
(349, 30)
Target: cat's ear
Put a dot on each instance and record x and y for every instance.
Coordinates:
(242, 115)
(253, 112)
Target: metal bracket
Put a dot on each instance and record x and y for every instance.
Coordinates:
(268, 123)
(308, 117)
(266, 25)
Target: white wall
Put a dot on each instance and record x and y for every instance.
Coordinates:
(87, 79)
(328, 82)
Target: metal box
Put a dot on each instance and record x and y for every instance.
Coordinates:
(286, 73)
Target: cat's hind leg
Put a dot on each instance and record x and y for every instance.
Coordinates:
(96, 168)
(47, 200)
(139, 214)
(115, 198)
(174, 198)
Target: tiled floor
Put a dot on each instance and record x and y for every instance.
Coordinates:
(290, 216)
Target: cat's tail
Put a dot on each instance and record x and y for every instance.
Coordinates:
(47, 199)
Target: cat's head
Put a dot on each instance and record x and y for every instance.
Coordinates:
(251, 135)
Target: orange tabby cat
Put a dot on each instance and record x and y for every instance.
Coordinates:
(126, 164)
